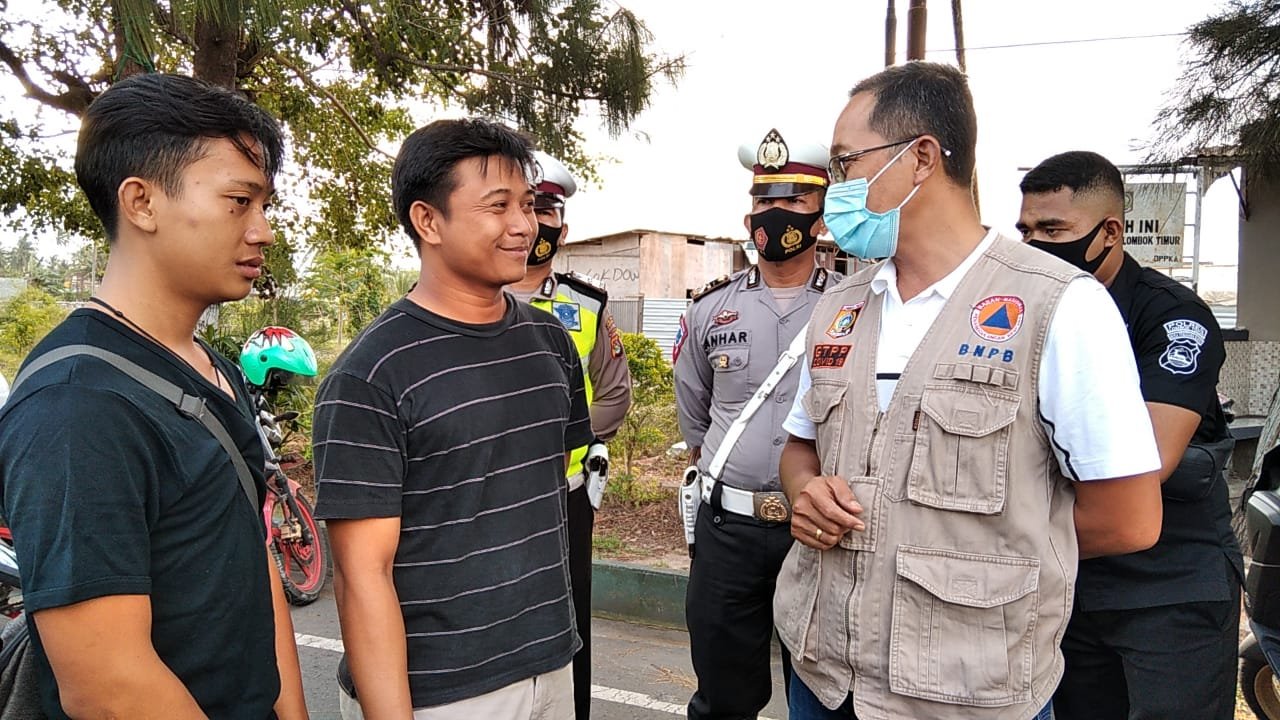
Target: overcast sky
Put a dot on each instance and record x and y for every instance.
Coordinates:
(753, 65)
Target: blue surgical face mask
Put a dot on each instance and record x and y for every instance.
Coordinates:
(858, 231)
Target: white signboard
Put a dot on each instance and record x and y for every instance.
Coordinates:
(1154, 220)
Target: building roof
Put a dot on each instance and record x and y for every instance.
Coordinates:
(646, 231)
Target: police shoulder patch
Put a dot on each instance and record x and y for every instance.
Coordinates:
(711, 286)
(584, 284)
(1186, 339)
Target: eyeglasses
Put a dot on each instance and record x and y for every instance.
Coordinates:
(836, 167)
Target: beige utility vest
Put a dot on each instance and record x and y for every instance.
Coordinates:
(953, 601)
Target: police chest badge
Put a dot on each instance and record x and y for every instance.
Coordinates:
(1186, 339)
(843, 322)
(568, 313)
(724, 317)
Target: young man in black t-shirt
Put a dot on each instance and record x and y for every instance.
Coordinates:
(440, 440)
(143, 560)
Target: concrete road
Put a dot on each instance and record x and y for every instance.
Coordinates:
(640, 672)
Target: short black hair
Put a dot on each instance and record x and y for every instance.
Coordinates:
(1081, 171)
(153, 126)
(424, 167)
(923, 98)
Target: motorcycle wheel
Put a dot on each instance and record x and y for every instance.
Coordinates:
(1259, 687)
(303, 566)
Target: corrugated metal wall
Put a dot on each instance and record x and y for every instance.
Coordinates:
(661, 319)
(627, 313)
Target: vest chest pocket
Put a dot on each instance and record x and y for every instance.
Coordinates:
(961, 456)
(963, 626)
(824, 405)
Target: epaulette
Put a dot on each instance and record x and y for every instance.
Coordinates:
(584, 284)
(711, 286)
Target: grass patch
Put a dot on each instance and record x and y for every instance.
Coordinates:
(607, 544)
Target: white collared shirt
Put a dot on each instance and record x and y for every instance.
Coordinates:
(1090, 397)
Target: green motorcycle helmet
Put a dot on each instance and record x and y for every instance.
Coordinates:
(275, 351)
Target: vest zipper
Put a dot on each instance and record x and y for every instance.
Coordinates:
(871, 446)
(848, 603)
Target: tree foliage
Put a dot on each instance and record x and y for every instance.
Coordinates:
(24, 319)
(1228, 96)
(650, 426)
(345, 76)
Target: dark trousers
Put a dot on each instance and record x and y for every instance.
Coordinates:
(729, 611)
(582, 519)
(1175, 661)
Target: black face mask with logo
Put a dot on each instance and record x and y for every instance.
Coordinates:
(545, 245)
(780, 234)
(1074, 251)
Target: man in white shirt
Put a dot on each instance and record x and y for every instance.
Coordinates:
(962, 435)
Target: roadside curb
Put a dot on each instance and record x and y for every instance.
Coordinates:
(635, 593)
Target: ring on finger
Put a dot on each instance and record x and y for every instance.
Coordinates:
(817, 534)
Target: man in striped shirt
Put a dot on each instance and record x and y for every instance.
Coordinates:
(440, 441)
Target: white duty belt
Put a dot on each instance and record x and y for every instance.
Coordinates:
(764, 505)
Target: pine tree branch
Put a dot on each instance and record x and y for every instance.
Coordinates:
(333, 100)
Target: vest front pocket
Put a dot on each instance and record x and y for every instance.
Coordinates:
(961, 456)
(962, 627)
(823, 406)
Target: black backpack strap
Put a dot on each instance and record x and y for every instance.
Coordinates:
(189, 405)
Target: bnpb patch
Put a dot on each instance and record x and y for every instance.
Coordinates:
(829, 356)
(843, 322)
(998, 317)
(681, 333)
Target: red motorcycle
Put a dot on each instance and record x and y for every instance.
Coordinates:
(271, 359)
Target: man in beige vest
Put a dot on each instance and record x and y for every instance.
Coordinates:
(968, 425)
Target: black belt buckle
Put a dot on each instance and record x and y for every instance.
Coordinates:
(771, 506)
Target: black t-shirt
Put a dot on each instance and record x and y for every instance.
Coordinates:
(109, 490)
(461, 430)
(1179, 351)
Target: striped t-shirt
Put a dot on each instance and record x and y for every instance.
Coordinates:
(461, 430)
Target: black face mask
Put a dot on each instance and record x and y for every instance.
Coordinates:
(545, 245)
(780, 234)
(1074, 251)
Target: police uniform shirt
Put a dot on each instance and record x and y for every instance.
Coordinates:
(1083, 371)
(728, 342)
(1179, 352)
(606, 367)
(1176, 341)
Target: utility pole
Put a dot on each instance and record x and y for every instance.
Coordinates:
(957, 24)
(890, 36)
(917, 20)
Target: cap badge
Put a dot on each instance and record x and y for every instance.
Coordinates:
(772, 153)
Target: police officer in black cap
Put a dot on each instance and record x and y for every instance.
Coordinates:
(729, 341)
(582, 307)
(1154, 633)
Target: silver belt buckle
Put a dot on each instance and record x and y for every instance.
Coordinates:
(771, 506)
